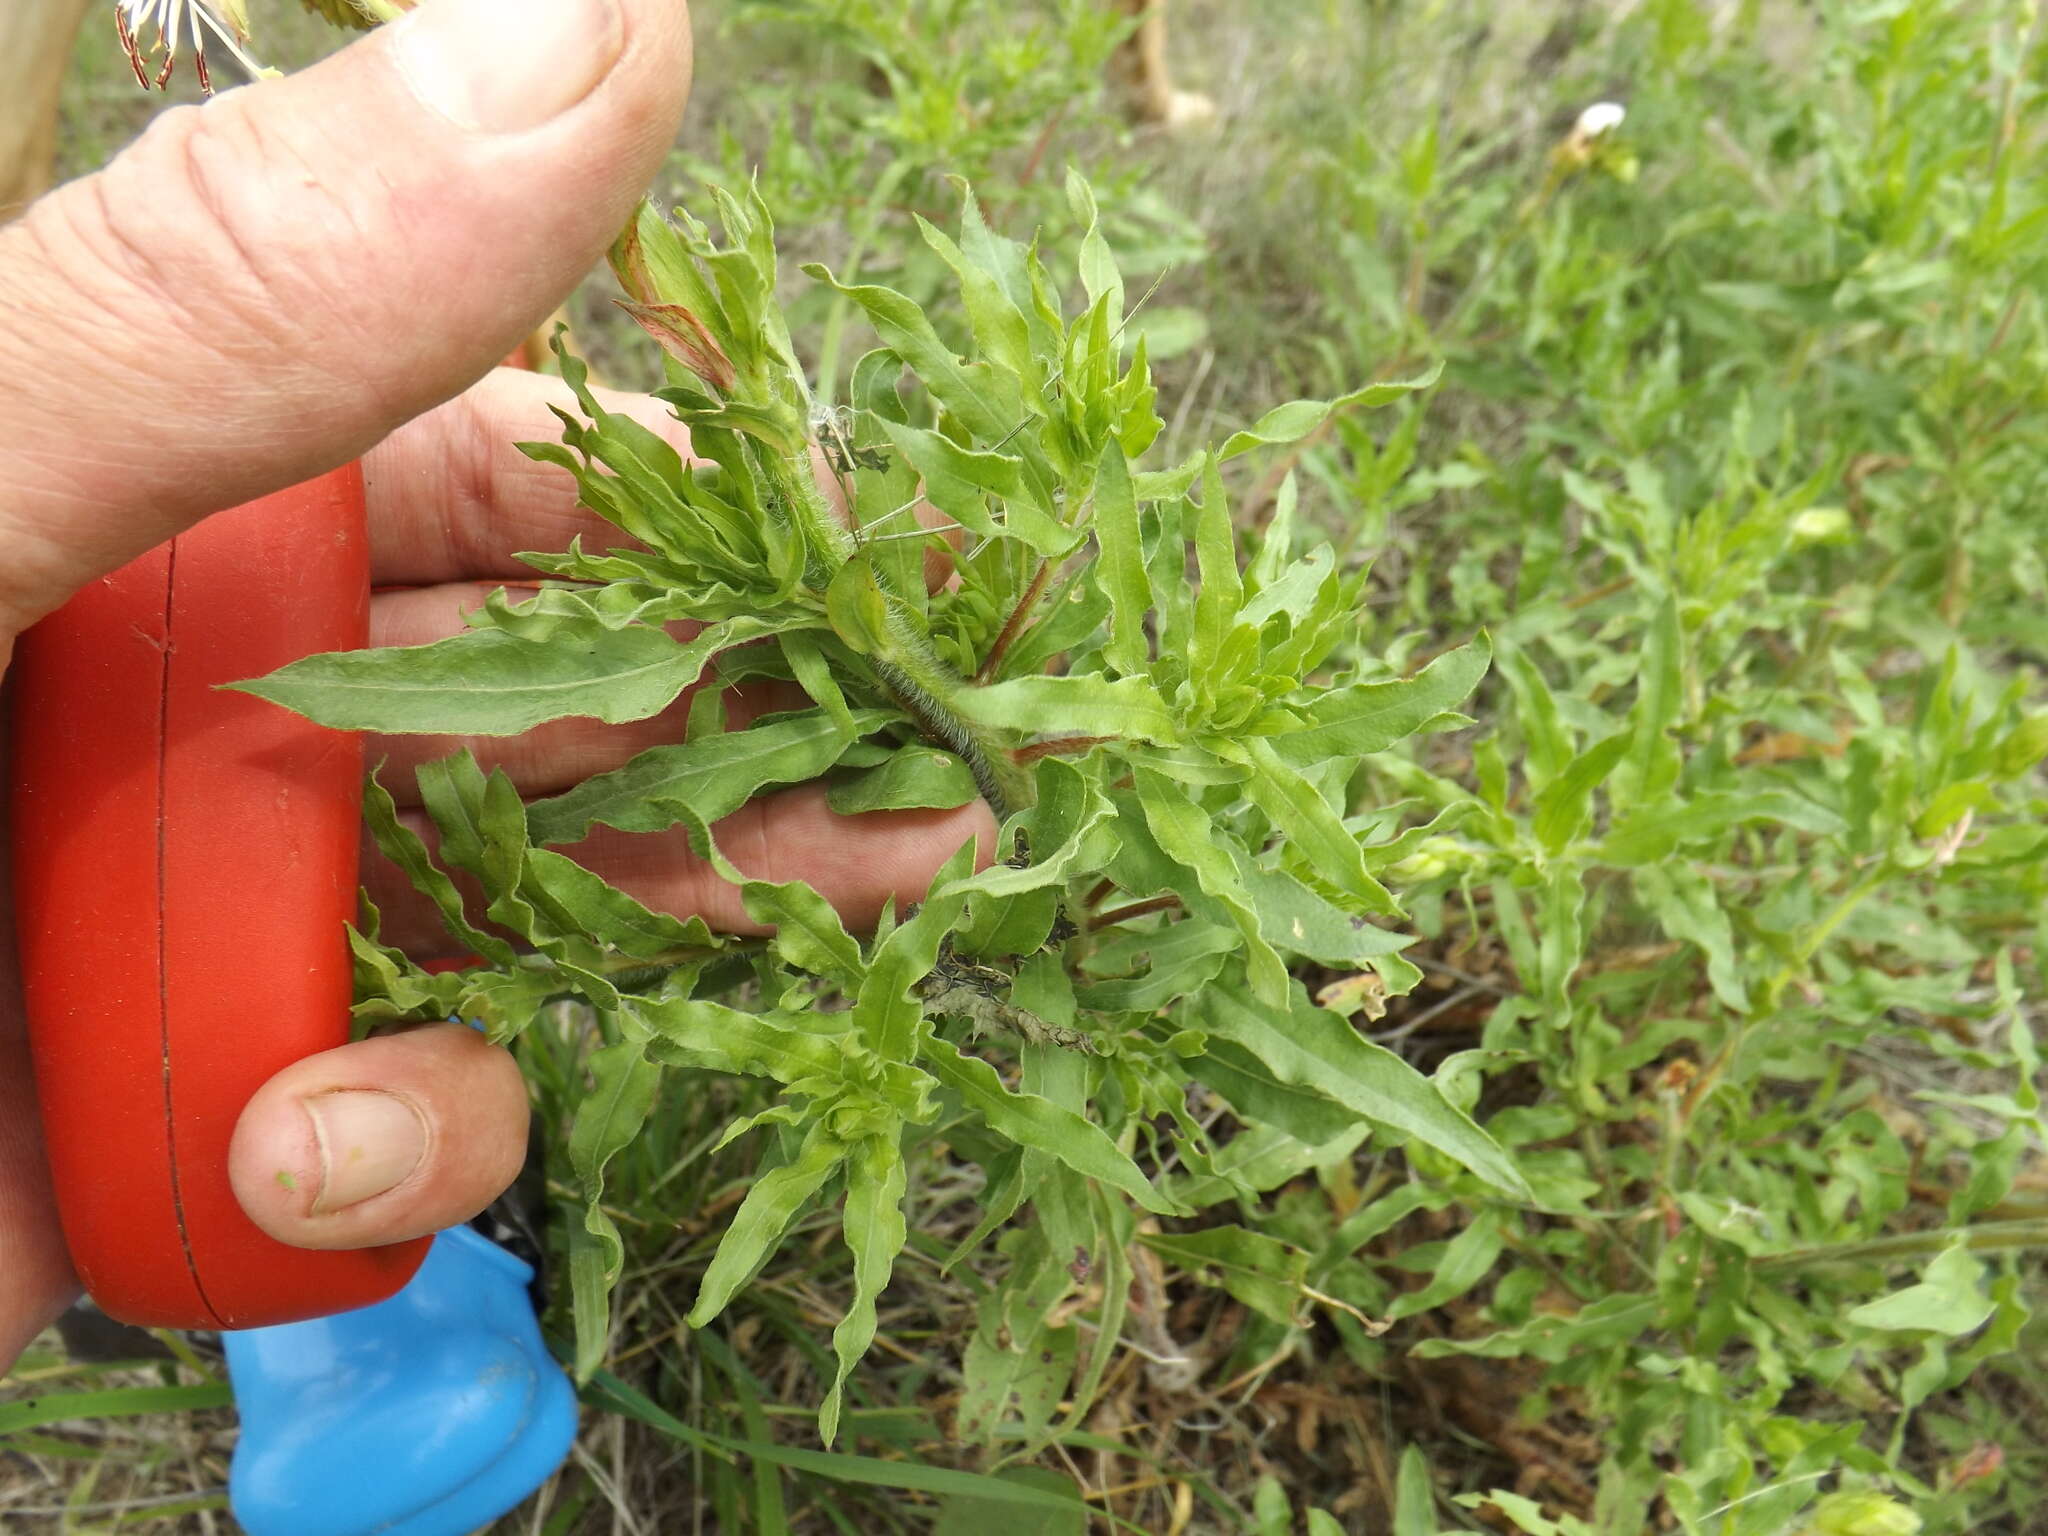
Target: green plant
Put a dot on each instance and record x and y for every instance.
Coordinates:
(889, 106)
(1727, 902)
(1169, 765)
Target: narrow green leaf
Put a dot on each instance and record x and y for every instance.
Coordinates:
(1467, 1259)
(808, 933)
(1185, 834)
(1649, 833)
(833, 1466)
(487, 682)
(1078, 705)
(1564, 807)
(1030, 1121)
(1546, 743)
(1123, 562)
(1659, 699)
(1370, 717)
(711, 1037)
(774, 1200)
(1264, 1273)
(402, 846)
(1243, 1081)
(966, 390)
(1221, 593)
(999, 326)
(1298, 921)
(912, 778)
(1683, 900)
(1303, 1045)
(623, 1087)
(110, 1403)
(1414, 1496)
(813, 673)
(1312, 829)
(875, 1232)
(591, 1248)
(1555, 1337)
(887, 1013)
(1099, 275)
(1292, 422)
(710, 777)
(576, 899)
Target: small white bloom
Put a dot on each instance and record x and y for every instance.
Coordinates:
(223, 21)
(1821, 525)
(1600, 118)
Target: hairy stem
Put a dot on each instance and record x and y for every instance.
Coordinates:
(915, 676)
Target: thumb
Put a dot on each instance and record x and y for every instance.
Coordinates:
(382, 1139)
(262, 287)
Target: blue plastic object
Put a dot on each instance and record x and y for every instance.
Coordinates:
(430, 1414)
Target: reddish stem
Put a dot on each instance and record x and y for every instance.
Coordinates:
(1013, 624)
(1144, 908)
(1044, 141)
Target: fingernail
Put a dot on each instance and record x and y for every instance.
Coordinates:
(369, 1142)
(501, 66)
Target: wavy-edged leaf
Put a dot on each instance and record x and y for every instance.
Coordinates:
(1370, 717)
(1555, 1337)
(970, 392)
(1077, 705)
(1186, 835)
(577, 899)
(402, 846)
(711, 1037)
(1303, 1045)
(1123, 562)
(1000, 328)
(808, 932)
(623, 1086)
(774, 1200)
(1291, 422)
(710, 777)
(1312, 829)
(1264, 1273)
(488, 682)
(1649, 833)
(875, 1233)
(1038, 1123)
(912, 778)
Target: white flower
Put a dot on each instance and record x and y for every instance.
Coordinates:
(1600, 118)
(1821, 525)
(222, 21)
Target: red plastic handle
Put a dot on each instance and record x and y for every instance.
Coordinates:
(184, 862)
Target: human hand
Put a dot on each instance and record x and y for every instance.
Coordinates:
(292, 276)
